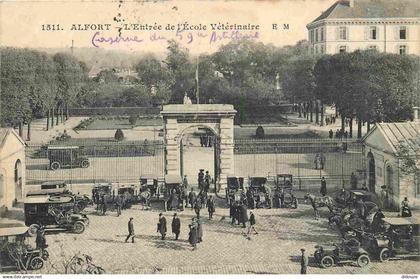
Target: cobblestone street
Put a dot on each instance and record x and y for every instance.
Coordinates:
(224, 250)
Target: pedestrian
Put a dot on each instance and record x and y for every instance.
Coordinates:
(243, 215)
(234, 212)
(41, 242)
(130, 230)
(162, 226)
(405, 208)
(331, 134)
(193, 235)
(202, 141)
(207, 179)
(353, 181)
(104, 205)
(323, 189)
(199, 230)
(200, 179)
(176, 226)
(304, 260)
(377, 221)
(118, 201)
(323, 160)
(197, 207)
(384, 197)
(192, 197)
(252, 223)
(250, 198)
(210, 207)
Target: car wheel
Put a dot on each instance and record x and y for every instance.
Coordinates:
(36, 263)
(85, 164)
(327, 261)
(79, 227)
(33, 229)
(384, 255)
(55, 165)
(363, 260)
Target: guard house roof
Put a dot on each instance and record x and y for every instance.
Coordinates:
(371, 9)
(389, 136)
(5, 132)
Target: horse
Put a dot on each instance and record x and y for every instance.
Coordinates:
(318, 202)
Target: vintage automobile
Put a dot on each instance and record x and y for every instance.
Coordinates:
(262, 193)
(348, 251)
(283, 192)
(173, 192)
(15, 252)
(129, 194)
(66, 156)
(53, 213)
(150, 184)
(99, 190)
(399, 241)
(234, 186)
(59, 188)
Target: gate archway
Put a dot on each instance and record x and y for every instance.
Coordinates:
(178, 119)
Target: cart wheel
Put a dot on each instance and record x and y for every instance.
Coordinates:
(33, 229)
(327, 261)
(384, 255)
(36, 263)
(85, 164)
(79, 227)
(363, 260)
(55, 165)
(45, 254)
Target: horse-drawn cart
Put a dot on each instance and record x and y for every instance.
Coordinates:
(234, 186)
(173, 192)
(261, 192)
(283, 192)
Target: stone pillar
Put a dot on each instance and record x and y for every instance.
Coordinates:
(172, 148)
(226, 151)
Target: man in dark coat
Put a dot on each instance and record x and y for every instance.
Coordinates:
(304, 260)
(193, 235)
(243, 215)
(200, 179)
(323, 189)
(162, 226)
(130, 230)
(377, 220)
(199, 230)
(233, 211)
(104, 205)
(176, 226)
(207, 179)
(250, 199)
(118, 204)
(252, 223)
(197, 207)
(41, 242)
(192, 197)
(210, 206)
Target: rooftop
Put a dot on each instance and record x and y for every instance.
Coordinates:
(401, 132)
(371, 9)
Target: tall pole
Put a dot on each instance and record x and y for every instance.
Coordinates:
(196, 80)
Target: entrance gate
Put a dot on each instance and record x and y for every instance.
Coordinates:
(178, 119)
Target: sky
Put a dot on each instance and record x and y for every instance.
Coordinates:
(28, 24)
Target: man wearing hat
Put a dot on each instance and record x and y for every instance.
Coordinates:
(130, 230)
(176, 226)
(303, 262)
(162, 225)
(41, 242)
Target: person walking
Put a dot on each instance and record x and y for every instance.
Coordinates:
(323, 189)
(207, 179)
(192, 197)
(197, 207)
(118, 201)
(130, 230)
(405, 208)
(176, 226)
(199, 230)
(104, 205)
(193, 236)
(243, 215)
(210, 207)
(331, 134)
(162, 226)
(41, 242)
(252, 223)
(304, 260)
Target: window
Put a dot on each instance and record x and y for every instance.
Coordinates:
(403, 33)
(403, 50)
(373, 33)
(316, 35)
(311, 36)
(322, 49)
(342, 49)
(322, 34)
(342, 31)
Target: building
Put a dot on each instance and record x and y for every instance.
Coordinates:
(385, 25)
(12, 168)
(384, 166)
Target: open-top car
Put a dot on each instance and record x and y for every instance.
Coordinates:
(234, 186)
(129, 195)
(150, 184)
(173, 192)
(283, 192)
(262, 193)
(99, 190)
(66, 156)
(400, 240)
(14, 250)
(53, 213)
(348, 251)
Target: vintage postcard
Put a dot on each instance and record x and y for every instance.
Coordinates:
(210, 137)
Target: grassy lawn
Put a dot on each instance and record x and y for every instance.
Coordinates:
(113, 124)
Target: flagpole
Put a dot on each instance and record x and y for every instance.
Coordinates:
(196, 80)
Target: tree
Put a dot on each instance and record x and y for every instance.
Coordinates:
(259, 133)
(119, 135)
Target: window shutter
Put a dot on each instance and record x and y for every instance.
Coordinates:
(347, 33)
(367, 31)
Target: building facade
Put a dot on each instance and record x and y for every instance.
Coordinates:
(12, 168)
(385, 25)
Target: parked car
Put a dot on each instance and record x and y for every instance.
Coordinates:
(262, 193)
(234, 186)
(15, 253)
(66, 156)
(283, 192)
(173, 192)
(150, 184)
(348, 251)
(53, 213)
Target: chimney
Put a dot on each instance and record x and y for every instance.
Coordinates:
(351, 3)
(416, 113)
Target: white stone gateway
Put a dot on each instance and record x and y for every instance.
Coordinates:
(217, 118)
